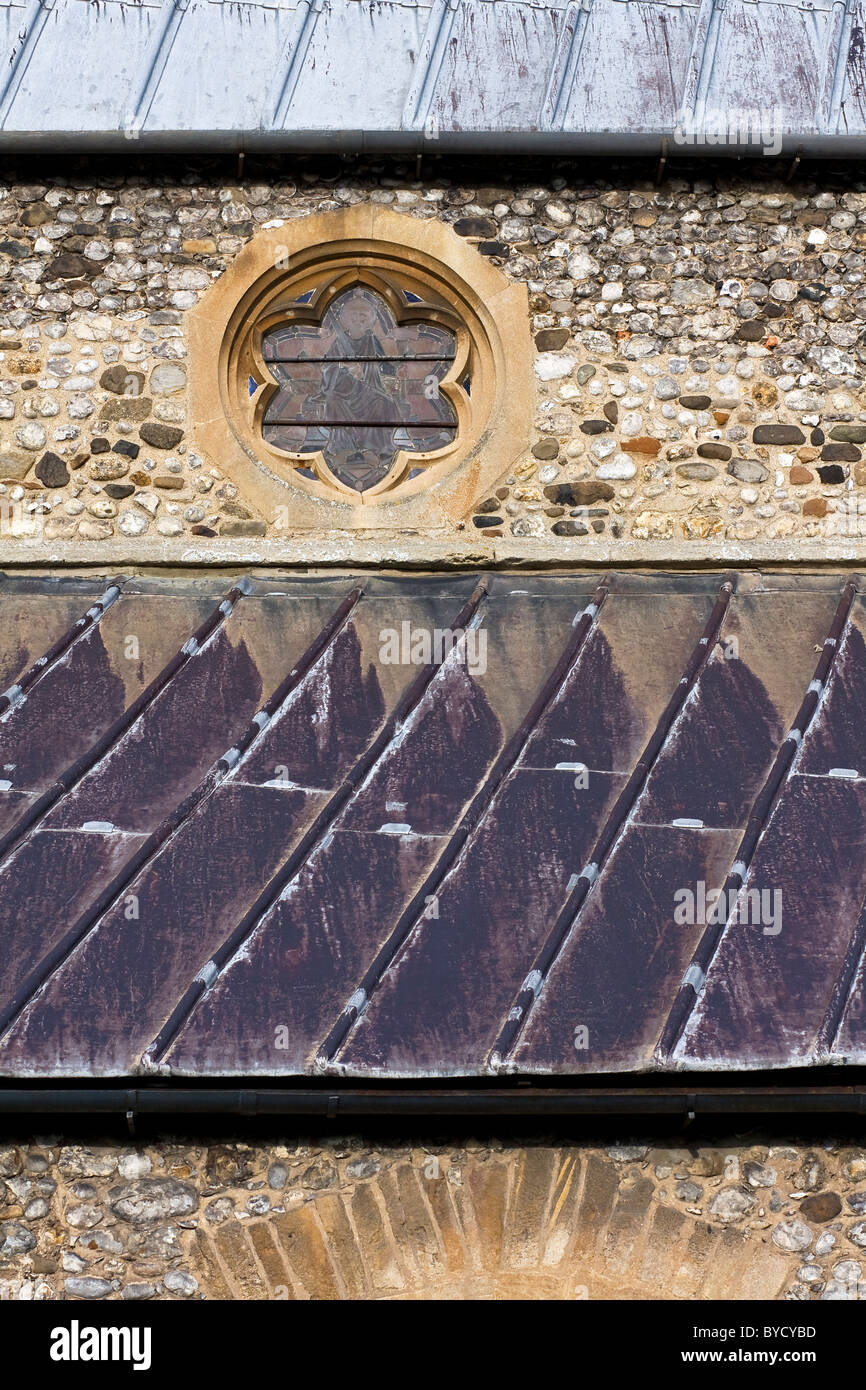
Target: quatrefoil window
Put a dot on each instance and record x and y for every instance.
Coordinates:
(359, 375)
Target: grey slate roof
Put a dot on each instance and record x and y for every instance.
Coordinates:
(587, 75)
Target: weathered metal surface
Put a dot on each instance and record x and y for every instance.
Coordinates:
(46, 883)
(355, 822)
(844, 1029)
(611, 703)
(593, 75)
(747, 696)
(101, 660)
(465, 960)
(493, 909)
(161, 758)
(30, 622)
(773, 974)
(779, 974)
(837, 738)
(100, 1010)
(316, 737)
(281, 990)
(301, 958)
(625, 956)
(178, 855)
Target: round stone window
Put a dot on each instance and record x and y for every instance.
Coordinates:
(361, 369)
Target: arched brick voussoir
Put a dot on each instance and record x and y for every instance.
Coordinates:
(539, 1223)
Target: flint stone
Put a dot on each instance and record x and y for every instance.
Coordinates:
(152, 1199)
(10, 1161)
(132, 408)
(121, 381)
(15, 1239)
(831, 473)
(87, 1287)
(821, 1206)
(722, 452)
(69, 266)
(51, 470)
(692, 292)
(730, 1204)
(169, 377)
(595, 426)
(849, 434)
(579, 494)
(179, 1282)
(840, 453)
(778, 434)
(76, 1161)
(160, 436)
(747, 470)
(792, 1235)
(551, 339)
(697, 472)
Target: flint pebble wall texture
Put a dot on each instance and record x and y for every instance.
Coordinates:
(699, 356)
(338, 1219)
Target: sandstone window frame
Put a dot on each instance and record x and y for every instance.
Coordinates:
(368, 244)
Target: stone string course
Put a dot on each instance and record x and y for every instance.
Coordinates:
(342, 1219)
(700, 363)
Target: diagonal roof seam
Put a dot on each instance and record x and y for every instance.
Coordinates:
(314, 837)
(12, 697)
(150, 848)
(766, 800)
(469, 823)
(568, 916)
(89, 760)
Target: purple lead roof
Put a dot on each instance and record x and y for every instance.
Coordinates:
(393, 826)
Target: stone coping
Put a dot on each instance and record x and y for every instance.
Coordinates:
(422, 552)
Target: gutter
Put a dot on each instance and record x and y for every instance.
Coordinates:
(520, 1101)
(481, 144)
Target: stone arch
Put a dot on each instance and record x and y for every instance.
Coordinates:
(532, 1223)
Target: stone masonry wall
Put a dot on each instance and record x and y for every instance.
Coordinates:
(352, 1219)
(700, 363)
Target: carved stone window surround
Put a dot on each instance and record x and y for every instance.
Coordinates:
(392, 253)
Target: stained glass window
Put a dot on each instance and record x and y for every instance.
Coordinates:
(359, 386)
